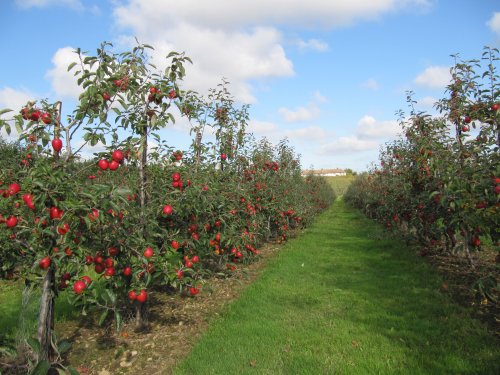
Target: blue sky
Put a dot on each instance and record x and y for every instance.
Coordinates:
(328, 75)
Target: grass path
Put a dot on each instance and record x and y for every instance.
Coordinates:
(341, 299)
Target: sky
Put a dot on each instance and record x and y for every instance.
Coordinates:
(329, 76)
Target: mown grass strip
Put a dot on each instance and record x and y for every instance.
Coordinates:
(342, 299)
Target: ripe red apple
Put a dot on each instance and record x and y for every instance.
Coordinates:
(497, 190)
(57, 144)
(195, 259)
(465, 128)
(113, 165)
(148, 253)
(35, 115)
(11, 222)
(109, 272)
(176, 176)
(46, 118)
(467, 119)
(113, 251)
(142, 296)
(180, 274)
(167, 209)
(223, 156)
(87, 280)
(66, 276)
(495, 107)
(194, 291)
(45, 263)
(79, 286)
(171, 94)
(103, 164)
(132, 295)
(25, 112)
(117, 155)
(56, 213)
(62, 230)
(175, 244)
(127, 271)
(14, 188)
(109, 262)
(475, 241)
(106, 96)
(99, 268)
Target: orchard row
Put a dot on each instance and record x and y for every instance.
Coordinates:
(137, 219)
(440, 183)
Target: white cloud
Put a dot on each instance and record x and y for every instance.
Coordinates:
(263, 128)
(426, 102)
(75, 4)
(348, 145)
(494, 23)
(313, 44)
(239, 40)
(236, 14)
(434, 77)
(300, 114)
(320, 98)
(371, 84)
(369, 127)
(310, 133)
(304, 113)
(64, 82)
(14, 100)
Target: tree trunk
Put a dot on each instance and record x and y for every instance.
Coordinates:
(143, 179)
(46, 318)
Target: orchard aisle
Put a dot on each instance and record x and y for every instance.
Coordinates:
(343, 299)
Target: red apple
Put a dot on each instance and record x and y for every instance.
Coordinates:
(148, 253)
(46, 118)
(167, 209)
(117, 155)
(103, 164)
(57, 144)
(142, 296)
(11, 222)
(79, 286)
(127, 271)
(45, 263)
(14, 189)
(176, 176)
(106, 96)
(113, 165)
(87, 280)
(35, 115)
(194, 291)
(132, 295)
(495, 107)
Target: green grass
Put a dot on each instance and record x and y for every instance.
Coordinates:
(340, 183)
(341, 299)
(19, 321)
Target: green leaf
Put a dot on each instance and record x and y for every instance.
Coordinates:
(103, 317)
(42, 368)
(70, 66)
(63, 346)
(112, 296)
(5, 111)
(73, 371)
(34, 344)
(118, 319)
